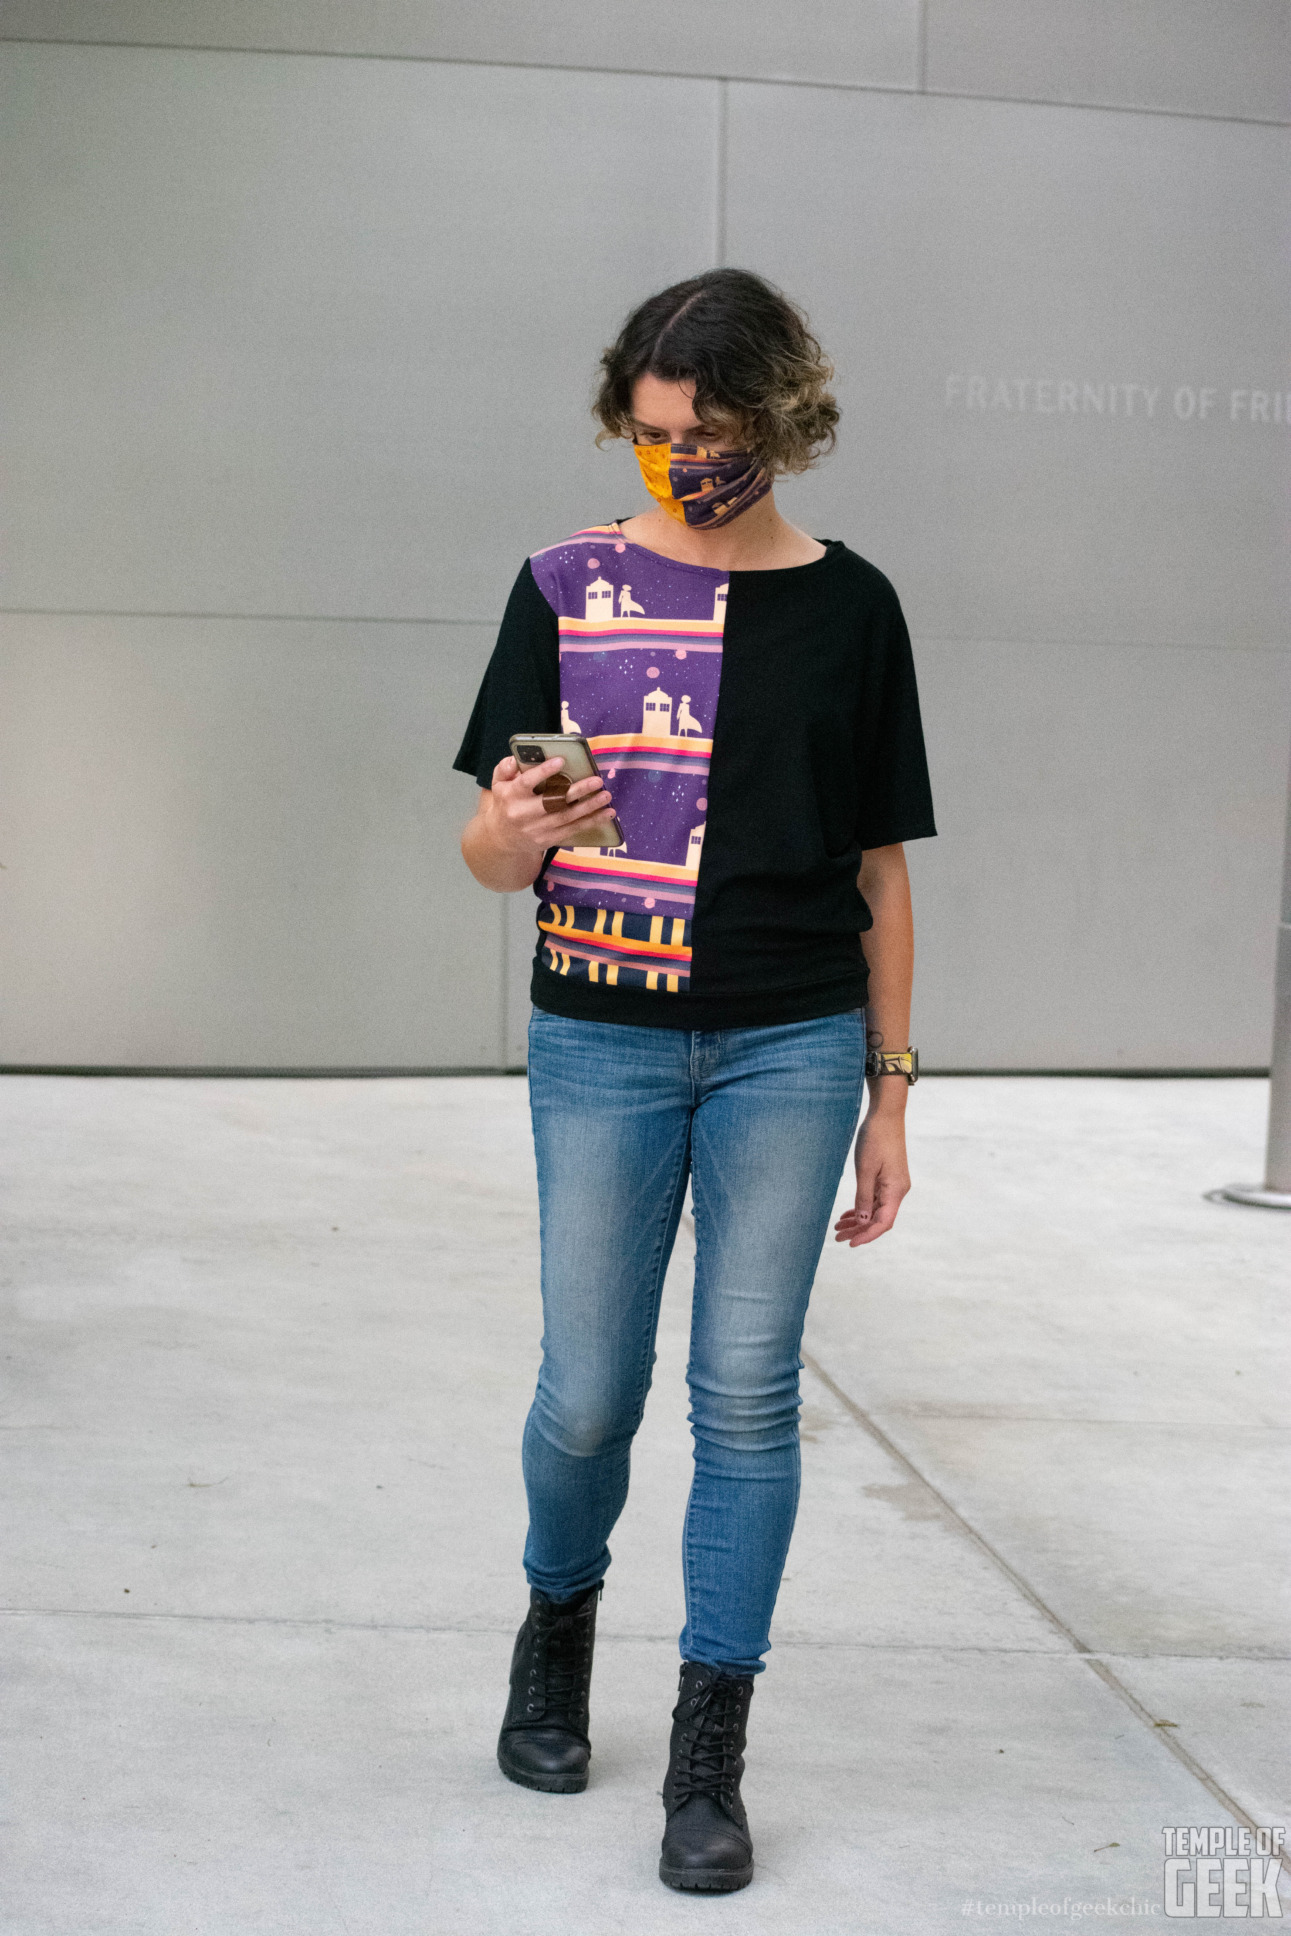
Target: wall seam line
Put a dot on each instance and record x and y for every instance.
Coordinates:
(1276, 647)
(668, 74)
(504, 986)
(236, 618)
(719, 207)
(310, 1072)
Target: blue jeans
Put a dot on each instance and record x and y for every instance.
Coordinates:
(762, 1119)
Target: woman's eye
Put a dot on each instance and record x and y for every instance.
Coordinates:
(710, 435)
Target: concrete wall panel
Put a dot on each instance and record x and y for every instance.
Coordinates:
(815, 40)
(1061, 346)
(315, 336)
(235, 844)
(293, 336)
(1189, 56)
(1103, 891)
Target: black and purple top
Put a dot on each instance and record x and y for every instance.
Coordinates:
(758, 731)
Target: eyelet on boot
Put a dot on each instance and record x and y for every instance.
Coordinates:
(706, 1840)
(544, 1742)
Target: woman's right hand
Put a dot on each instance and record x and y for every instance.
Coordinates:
(521, 822)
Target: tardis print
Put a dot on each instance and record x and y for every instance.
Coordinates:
(640, 667)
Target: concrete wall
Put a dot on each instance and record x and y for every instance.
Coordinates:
(306, 301)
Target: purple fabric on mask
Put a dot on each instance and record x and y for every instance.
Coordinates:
(714, 486)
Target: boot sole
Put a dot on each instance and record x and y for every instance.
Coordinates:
(714, 1881)
(545, 1784)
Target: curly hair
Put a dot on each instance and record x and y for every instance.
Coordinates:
(756, 367)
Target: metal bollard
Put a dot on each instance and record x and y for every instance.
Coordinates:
(1275, 1191)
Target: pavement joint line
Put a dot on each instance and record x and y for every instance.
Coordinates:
(1096, 1662)
(1060, 1418)
(415, 1627)
(796, 1642)
(1254, 1432)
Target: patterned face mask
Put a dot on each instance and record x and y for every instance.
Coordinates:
(701, 487)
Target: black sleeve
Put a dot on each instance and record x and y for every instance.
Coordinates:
(892, 766)
(520, 691)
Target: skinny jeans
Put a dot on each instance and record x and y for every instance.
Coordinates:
(760, 1120)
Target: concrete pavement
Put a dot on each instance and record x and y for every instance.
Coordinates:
(270, 1344)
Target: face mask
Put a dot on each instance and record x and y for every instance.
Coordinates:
(701, 487)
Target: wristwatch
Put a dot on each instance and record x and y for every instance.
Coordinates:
(878, 1063)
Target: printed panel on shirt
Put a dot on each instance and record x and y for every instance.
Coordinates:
(640, 670)
(622, 950)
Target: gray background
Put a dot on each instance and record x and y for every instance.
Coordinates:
(303, 310)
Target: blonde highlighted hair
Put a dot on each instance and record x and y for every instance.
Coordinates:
(759, 374)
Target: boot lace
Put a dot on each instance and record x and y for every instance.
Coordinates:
(706, 1752)
(559, 1671)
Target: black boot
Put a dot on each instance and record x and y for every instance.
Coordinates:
(706, 1841)
(543, 1743)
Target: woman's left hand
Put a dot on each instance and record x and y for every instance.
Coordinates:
(882, 1178)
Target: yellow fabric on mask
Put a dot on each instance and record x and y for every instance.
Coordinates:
(655, 460)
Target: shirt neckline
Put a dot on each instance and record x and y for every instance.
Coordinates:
(832, 548)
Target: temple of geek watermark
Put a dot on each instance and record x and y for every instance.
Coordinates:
(1229, 1872)
(1210, 1873)
(1074, 1908)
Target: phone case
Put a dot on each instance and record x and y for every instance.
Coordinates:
(580, 764)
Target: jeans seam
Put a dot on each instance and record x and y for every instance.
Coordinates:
(656, 1293)
(686, 1584)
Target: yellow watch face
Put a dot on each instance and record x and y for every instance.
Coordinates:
(906, 1064)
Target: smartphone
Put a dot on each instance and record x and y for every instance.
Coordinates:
(531, 749)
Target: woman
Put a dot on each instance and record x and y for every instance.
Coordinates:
(700, 996)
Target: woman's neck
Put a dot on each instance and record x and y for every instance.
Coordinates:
(759, 540)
